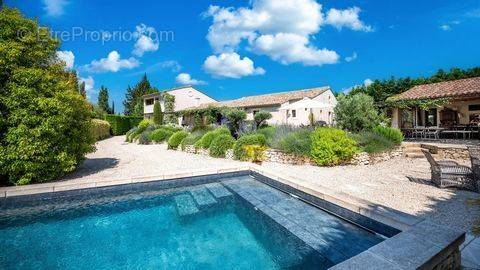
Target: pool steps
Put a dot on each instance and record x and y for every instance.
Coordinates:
(185, 205)
(190, 203)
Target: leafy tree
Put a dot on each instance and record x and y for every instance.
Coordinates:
(356, 113)
(82, 91)
(380, 90)
(103, 99)
(260, 117)
(133, 102)
(45, 128)
(235, 117)
(157, 114)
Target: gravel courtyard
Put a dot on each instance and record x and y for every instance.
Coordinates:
(402, 184)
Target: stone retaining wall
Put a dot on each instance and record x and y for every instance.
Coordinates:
(450, 152)
(363, 158)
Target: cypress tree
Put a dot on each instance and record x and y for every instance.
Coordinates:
(157, 114)
(103, 99)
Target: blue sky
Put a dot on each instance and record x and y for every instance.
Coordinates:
(232, 48)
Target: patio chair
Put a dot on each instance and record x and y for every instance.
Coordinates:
(450, 174)
(474, 153)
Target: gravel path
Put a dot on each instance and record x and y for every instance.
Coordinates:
(402, 184)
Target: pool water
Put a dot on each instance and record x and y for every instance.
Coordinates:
(220, 225)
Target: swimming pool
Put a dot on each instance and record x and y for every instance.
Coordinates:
(225, 222)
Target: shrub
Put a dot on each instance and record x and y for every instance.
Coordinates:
(255, 153)
(372, 142)
(144, 138)
(239, 151)
(393, 134)
(160, 135)
(331, 146)
(268, 132)
(130, 134)
(144, 124)
(122, 124)
(356, 113)
(260, 117)
(191, 139)
(157, 114)
(207, 139)
(45, 128)
(176, 138)
(297, 142)
(100, 129)
(221, 144)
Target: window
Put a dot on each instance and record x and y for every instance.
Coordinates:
(294, 113)
(474, 107)
(149, 101)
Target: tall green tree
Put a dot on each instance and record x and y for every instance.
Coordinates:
(112, 109)
(45, 128)
(133, 102)
(82, 90)
(157, 114)
(380, 90)
(103, 99)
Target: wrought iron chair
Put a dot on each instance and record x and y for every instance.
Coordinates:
(474, 152)
(450, 174)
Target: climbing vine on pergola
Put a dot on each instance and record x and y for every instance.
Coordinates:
(423, 104)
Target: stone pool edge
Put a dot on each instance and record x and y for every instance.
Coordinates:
(420, 244)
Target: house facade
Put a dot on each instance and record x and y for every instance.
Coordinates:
(185, 97)
(461, 105)
(292, 108)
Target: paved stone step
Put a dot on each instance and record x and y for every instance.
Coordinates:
(185, 205)
(202, 197)
(218, 190)
(414, 155)
(413, 150)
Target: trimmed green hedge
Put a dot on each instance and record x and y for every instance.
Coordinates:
(221, 144)
(207, 139)
(100, 129)
(175, 140)
(239, 151)
(121, 124)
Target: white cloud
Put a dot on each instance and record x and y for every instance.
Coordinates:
(54, 8)
(147, 40)
(230, 65)
(266, 22)
(347, 18)
(89, 86)
(68, 57)
(112, 63)
(367, 82)
(291, 48)
(186, 79)
(352, 57)
(445, 27)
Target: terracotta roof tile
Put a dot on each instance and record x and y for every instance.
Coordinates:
(268, 99)
(464, 88)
